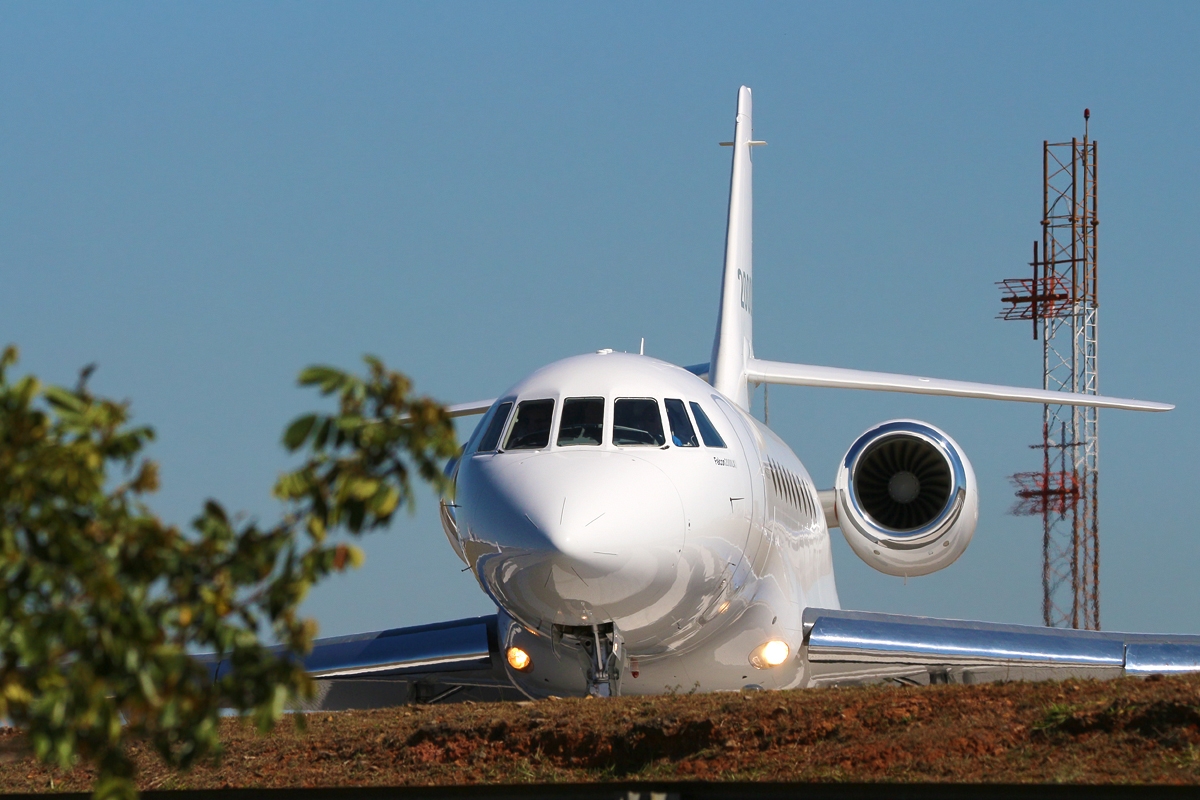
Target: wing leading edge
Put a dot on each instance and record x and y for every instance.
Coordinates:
(846, 647)
(760, 371)
(469, 409)
(785, 373)
(420, 664)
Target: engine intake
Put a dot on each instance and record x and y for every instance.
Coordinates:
(906, 498)
(903, 482)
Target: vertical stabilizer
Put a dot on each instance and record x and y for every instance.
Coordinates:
(734, 344)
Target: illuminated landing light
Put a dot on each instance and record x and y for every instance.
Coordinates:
(519, 660)
(771, 654)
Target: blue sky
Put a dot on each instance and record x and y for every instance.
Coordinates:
(204, 198)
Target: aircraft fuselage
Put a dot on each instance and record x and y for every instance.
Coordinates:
(617, 489)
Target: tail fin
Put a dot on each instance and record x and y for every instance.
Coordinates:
(734, 344)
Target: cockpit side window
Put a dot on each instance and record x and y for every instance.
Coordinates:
(582, 421)
(637, 421)
(495, 428)
(707, 432)
(531, 427)
(473, 440)
(682, 433)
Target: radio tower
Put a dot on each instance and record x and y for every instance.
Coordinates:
(1061, 301)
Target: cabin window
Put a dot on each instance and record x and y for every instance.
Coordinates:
(682, 433)
(637, 421)
(582, 421)
(495, 428)
(707, 432)
(531, 427)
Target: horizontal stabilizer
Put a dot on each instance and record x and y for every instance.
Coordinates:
(780, 372)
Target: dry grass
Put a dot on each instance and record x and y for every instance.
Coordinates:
(1124, 731)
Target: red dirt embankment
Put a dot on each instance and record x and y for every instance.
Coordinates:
(1129, 730)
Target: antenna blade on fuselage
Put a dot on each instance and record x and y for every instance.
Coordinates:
(781, 372)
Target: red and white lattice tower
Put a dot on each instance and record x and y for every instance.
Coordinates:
(1061, 301)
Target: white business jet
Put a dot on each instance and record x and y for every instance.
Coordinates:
(640, 532)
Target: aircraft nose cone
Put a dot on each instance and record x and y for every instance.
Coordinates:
(592, 507)
(591, 535)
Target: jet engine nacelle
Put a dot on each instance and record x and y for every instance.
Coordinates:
(906, 498)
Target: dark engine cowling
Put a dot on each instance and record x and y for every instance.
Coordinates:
(907, 500)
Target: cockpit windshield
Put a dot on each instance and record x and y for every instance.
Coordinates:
(682, 433)
(637, 421)
(491, 437)
(707, 431)
(531, 428)
(582, 421)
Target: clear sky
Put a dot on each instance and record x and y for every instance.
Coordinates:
(203, 198)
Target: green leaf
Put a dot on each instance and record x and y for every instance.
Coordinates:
(319, 376)
(362, 488)
(298, 431)
(322, 434)
(384, 503)
(63, 399)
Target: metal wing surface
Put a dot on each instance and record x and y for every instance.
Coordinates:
(762, 371)
(847, 647)
(421, 664)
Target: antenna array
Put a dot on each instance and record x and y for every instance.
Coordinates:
(1061, 302)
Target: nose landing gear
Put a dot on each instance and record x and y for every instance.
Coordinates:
(607, 652)
(604, 650)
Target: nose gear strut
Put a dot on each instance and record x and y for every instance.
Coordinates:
(601, 650)
(607, 652)
(604, 653)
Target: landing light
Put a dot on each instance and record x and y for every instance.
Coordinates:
(519, 660)
(771, 654)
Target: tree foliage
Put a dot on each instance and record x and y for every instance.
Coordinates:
(102, 603)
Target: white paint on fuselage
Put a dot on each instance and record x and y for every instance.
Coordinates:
(695, 560)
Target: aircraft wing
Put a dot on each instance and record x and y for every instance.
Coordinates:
(782, 372)
(421, 664)
(760, 371)
(470, 409)
(849, 647)
(461, 659)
